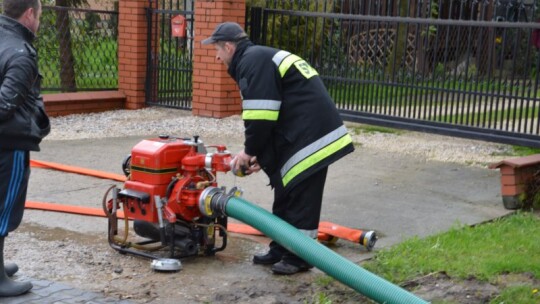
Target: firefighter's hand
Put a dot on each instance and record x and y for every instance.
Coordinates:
(254, 165)
(246, 163)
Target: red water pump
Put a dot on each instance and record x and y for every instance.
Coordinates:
(165, 179)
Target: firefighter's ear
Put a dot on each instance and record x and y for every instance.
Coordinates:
(230, 47)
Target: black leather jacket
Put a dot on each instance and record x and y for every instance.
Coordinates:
(23, 121)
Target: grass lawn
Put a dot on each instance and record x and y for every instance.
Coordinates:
(483, 255)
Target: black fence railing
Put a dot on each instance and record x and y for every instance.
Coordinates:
(78, 49)
(170, 57)
(464, 68)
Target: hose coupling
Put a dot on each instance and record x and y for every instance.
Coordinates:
(368, 239)
(213, 201)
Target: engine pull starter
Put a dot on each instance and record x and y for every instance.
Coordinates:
(164, 264)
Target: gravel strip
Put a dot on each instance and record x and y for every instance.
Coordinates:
(437, 147)
(148, 121)
(152, 121)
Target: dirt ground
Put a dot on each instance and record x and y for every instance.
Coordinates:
(86, 261)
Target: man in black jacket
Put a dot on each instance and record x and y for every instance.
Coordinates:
(293, 132)
(23, 121)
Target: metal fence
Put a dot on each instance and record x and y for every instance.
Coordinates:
(78, 49)
(462, 68)
(170, 44)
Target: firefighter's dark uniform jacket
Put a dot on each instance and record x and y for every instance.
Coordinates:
(23, 121)
(291, 123)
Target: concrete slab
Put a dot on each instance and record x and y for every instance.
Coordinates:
(398, 196)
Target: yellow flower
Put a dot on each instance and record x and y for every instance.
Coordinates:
(498, 40)
(535, 290)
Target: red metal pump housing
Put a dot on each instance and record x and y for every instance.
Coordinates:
(166, 176)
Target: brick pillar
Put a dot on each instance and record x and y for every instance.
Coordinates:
(516, 174)
(132, 51)
(215, 94)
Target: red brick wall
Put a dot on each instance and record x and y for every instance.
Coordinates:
(86, 102)
(516, 173)
(514, 180)
(132, 51)
(215, 94)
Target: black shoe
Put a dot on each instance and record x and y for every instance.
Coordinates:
(287, 269)
(11, 269)
(11, 288)
(266, 259)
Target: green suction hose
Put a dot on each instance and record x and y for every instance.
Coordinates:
(214, 202)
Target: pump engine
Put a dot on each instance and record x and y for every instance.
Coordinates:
(165, 178)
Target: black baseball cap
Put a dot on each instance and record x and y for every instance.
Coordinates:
(227, 31)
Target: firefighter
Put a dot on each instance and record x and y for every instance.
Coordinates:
(23, 122)
(293, 132)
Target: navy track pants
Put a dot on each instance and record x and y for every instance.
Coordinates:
(14, 175)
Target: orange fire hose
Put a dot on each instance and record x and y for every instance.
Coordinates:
(342, 232)
(328, 232)
(246, 229)
(78, 170)
(243, 229)
(81, 210)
